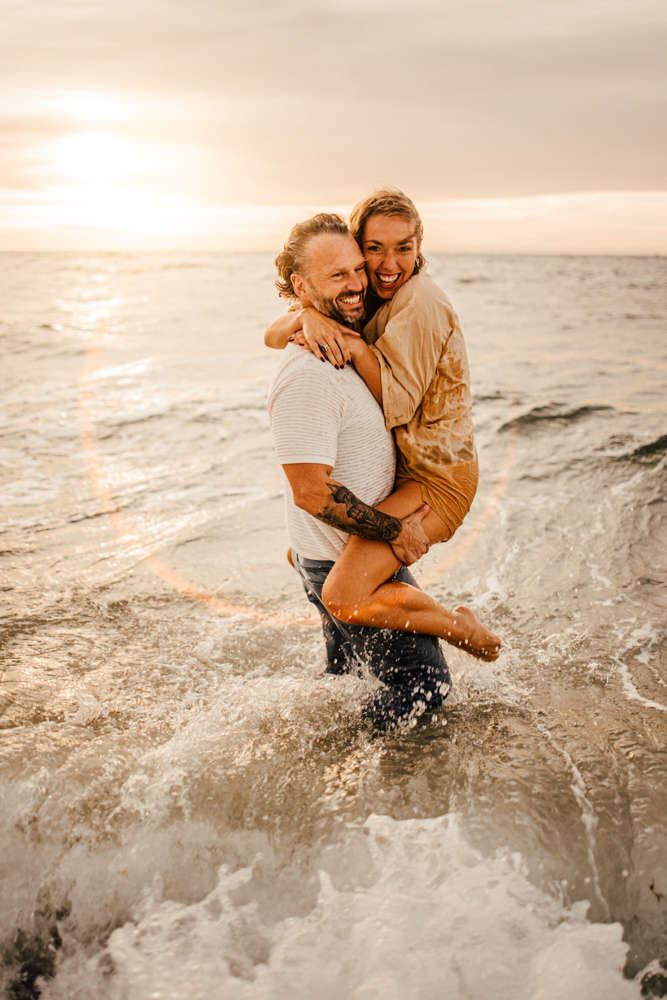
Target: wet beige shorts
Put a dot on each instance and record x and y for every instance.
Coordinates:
(450, 493)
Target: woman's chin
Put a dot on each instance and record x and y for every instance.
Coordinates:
(386, 292)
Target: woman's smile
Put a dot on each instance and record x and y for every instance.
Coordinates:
(388, 280)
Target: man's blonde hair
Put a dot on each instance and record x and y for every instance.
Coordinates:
(386, 201)
(294, 256)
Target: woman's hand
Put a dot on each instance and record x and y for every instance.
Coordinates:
(326, 338)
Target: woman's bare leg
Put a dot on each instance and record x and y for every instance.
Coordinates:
(358, 589)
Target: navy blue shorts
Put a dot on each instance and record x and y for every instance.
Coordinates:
(410, 665)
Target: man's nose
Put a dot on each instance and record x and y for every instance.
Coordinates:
(354, 282)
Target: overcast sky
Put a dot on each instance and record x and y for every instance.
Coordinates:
(182, 118)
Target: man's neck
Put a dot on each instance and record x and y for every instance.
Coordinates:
(354, 327)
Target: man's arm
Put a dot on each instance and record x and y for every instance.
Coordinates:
(317, 493)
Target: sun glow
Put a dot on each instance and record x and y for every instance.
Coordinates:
(119, 188)
(96, 156)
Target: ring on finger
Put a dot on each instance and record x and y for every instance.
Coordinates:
(323, 348)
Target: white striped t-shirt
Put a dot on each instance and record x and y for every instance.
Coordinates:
(328, 417)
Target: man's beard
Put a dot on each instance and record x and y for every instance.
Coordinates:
(330, 308)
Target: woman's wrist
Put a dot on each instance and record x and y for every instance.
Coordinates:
(297, 320)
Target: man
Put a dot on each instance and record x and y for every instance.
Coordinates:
(338, 459)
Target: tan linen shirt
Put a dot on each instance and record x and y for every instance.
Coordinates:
(426, 394)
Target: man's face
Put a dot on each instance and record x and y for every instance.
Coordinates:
(335, 279)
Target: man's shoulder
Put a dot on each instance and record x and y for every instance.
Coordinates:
(300, 371)
(297, 364)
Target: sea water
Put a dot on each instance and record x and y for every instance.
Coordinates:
(189, 809)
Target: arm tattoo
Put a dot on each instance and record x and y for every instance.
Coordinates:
(366, 521)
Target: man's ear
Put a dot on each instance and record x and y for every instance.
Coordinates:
(299, 286)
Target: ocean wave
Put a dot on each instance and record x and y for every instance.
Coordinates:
(648, 453)
(486, 397)
(553, 412)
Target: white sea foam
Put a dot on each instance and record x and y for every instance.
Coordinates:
(427, 918)
(630, 690)
(89, 708)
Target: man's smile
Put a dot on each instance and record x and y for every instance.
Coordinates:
(351, 299)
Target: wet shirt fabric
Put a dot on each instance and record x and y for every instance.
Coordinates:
(330, 418)
(426, 395)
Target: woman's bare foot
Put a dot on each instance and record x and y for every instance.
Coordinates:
(474, 637)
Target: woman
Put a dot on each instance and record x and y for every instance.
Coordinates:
(413, 359)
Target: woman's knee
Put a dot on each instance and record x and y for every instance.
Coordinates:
(337, 600)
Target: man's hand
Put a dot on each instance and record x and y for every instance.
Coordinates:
(412, 543)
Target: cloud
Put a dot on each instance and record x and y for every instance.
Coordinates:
(317, 101)
(100, 218)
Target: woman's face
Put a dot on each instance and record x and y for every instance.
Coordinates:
(391, 249)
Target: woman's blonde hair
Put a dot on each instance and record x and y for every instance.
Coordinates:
(386, 201)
